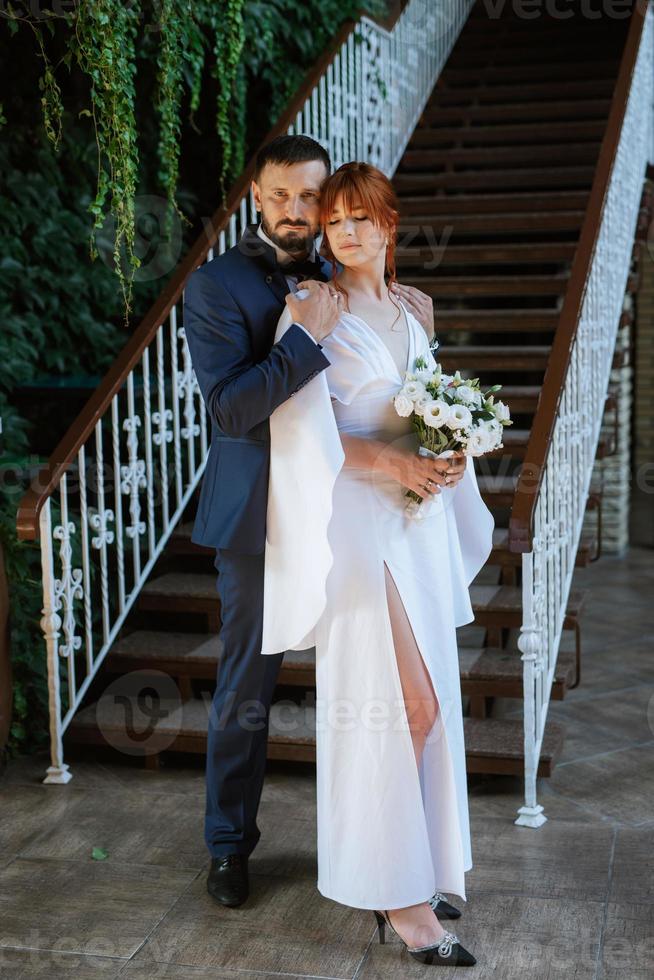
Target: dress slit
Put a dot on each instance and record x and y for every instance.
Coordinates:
(433, 749)
(415, 654)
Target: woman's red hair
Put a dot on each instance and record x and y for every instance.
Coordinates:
(362, 185)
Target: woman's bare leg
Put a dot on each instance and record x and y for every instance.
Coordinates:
(417, 924)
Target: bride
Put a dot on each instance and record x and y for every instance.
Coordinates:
(378, 594)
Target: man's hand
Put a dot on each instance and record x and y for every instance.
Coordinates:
(319, 311)
(420, 305)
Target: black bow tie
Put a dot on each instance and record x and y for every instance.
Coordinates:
(304, 269)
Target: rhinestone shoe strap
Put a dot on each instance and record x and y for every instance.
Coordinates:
(436, 898)
(444, 945)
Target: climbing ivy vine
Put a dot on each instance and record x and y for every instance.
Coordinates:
(268, 42)
(175, 14)
(229, 38)
(102, 41)
(105, 33)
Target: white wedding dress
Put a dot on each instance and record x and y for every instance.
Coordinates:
(390, 833)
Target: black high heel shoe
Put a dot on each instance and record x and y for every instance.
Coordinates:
(442, 907)
(448, 951)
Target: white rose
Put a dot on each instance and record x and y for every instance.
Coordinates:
(477, 442)
(419, 403)
(425, 375)
(403, 405)
(465, 394)
(413, 390)
(460, 417)
(501, 410)
(436, 413)
(495, 430)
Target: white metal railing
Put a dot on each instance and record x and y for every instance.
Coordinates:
(108, 518)
(559, 510)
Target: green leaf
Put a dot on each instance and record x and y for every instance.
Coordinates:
(99, 854)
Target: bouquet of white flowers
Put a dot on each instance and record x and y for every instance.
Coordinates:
(450, 415)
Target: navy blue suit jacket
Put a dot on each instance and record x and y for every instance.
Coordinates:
(231, 309)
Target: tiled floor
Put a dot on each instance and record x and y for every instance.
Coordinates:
(572, 899)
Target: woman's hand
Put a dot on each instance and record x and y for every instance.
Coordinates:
(420, 304)
(422, 474)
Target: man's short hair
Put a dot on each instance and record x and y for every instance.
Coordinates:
(290, 149)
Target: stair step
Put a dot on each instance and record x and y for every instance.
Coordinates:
(194, 655)
(498, 358)
(514, 443)
(490, 224)
(495, 203)
(497, 491)
(498, 672)
(183, 593)
(179, 654)
(534, 91)
(582, 110)
(184, 590)
(500, 555)
(556, 152)
(496, 746)
(521, 399)
(492, 745)
(430, 257)
(495, 321)
(565, 52)
(180, 542)
(500, 606)
(491, 285)
(536, 177)
(508, 134)
(192, 588)
(539, 70)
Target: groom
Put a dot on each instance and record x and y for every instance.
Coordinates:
(231, 309)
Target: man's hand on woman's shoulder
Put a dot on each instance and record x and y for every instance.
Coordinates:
(318, 312)
(419, 303)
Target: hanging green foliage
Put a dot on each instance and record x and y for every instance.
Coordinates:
(51, 103)
(255, 47)
(229, 38)
(105, 34)
(194, 58)
(174, 16)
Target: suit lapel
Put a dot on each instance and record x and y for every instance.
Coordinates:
(260, 252)
(276, 282)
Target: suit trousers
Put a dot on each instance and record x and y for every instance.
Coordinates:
(238, 722)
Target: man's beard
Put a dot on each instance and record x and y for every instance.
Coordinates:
(297, 242)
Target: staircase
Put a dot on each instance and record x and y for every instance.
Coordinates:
(494, 186)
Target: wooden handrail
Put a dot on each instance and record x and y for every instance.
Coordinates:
(542, 431)
(48, 476)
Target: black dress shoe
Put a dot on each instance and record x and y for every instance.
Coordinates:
(228, 879)
(442, 907)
